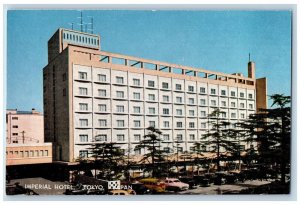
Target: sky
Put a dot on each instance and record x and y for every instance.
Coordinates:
(213, 40)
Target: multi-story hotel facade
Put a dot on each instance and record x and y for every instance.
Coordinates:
(92, 96)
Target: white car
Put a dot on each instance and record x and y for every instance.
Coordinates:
(174, 184)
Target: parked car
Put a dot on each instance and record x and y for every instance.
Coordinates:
(140, 188)
(122, 192)
(154, 184)
(202, 180)
(190, 181)
(174, 184)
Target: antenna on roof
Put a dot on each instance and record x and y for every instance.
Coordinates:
(81, 21)
(249, 58)
(72, 25)
(92, 24)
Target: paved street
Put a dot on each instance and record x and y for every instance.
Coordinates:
(223, 189)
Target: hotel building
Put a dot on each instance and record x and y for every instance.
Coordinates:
(93, 96)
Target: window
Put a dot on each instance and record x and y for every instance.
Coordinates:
(213, 91)
(27, 154)
(167, 149)
(151, 97)
(191, 88)
(102, 107)
(242, 115)
(192, 149)
(202, 101)
(82, 75)
(102, 123)
(137, 137)
(83, 138)
(151, 110)
(250, 106)
(102, 78)
(165, 111)
(191, 101)
(83, 106)
(120, 108)
(232, 94)
(179, 137)
(101, 138)
(120, 94)
(203, 125)
(120, 123)
(83, 153)
(166, 98)
(83, 122)
(136, 82)
(191, 125)
(14, 118)
(242, 105)
(41, 153)
(166, 124)
(137, 123)
(151, 83)
(178, 111)
(15, 141)
(202, 90)
(179, 124)
(223, 92)
(166, 137)
(102, 93)
(120, 80)
(179, 99)
(136, 96)
(30, 153)
(223, 103)
(213, 102)
(137, 151)
(250, 96)
(120, 138)
(83, 91)
(64, 77)
(136, 109)
(15, 134)
(233, 115)
(223, 114)
(151, 123)
(165, 85)
(64, 92)
(46, 152)
(203, 113)
(179, 149)
(242, 95)
(191, 112)
(232, 104)
(192, 137)
(15, 126)
(21, 153)
(178, 87)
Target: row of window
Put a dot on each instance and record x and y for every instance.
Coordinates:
(165, 85)
(31, 153)
(137, 109)
(166, 124)
(166, 98)
(80, 39)
(137, 137)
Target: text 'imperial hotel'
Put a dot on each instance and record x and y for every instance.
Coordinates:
(92, 96)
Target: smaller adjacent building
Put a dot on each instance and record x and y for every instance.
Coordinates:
(25, 138)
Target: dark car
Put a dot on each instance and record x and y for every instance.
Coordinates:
(202, 180)
(140, 189)
(190, 181)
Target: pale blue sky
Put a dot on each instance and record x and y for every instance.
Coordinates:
(213, 40)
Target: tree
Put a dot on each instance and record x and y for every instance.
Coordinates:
(108, 158)
(153, 153)
(218, 137)
(270, 129)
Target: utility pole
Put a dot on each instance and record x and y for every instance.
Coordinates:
(23, 136)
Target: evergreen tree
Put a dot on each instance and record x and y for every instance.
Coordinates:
(153, 152)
